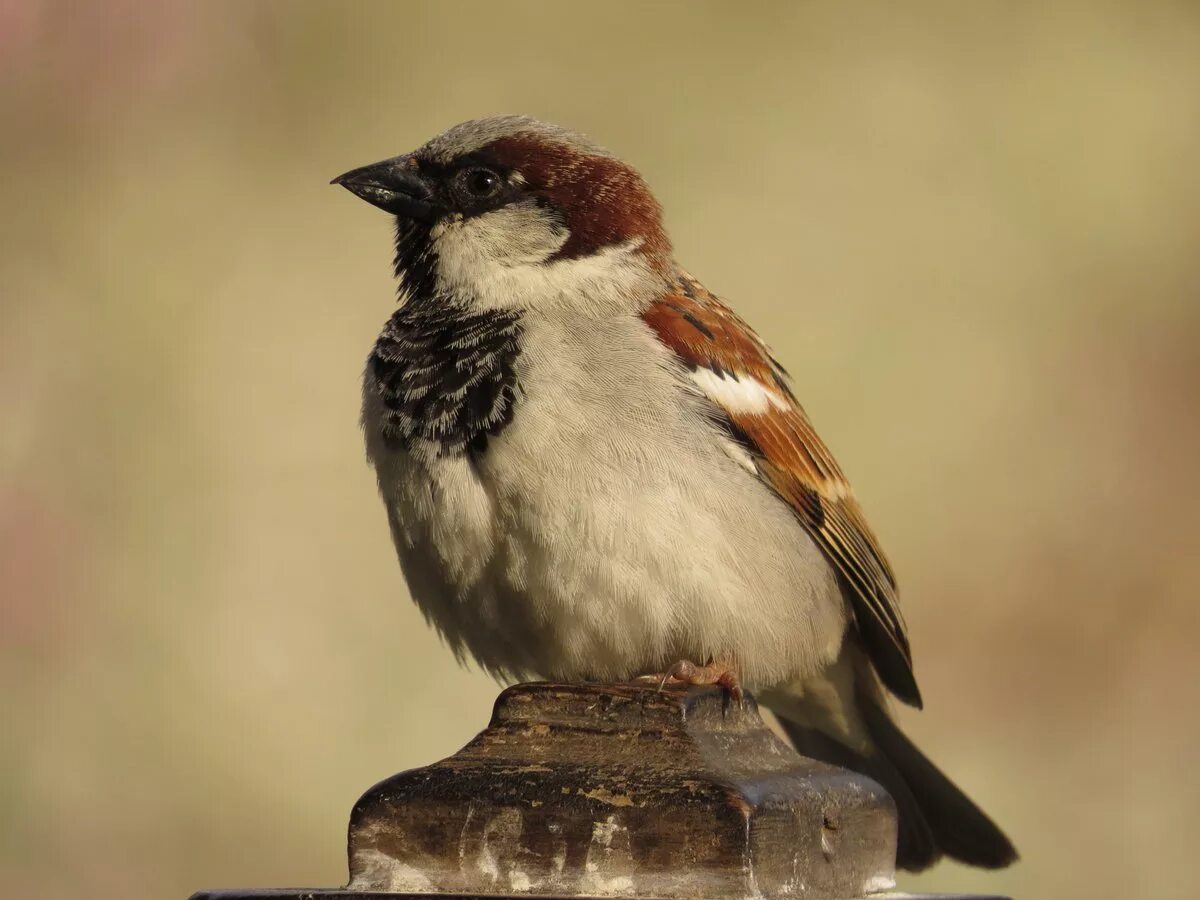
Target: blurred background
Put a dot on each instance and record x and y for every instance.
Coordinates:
(969, 230)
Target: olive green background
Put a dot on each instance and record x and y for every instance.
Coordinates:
(968, 229)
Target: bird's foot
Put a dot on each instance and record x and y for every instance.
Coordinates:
(687, 672)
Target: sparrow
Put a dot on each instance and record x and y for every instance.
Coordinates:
(593, 469)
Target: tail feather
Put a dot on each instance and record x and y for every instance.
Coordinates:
(935, 817)
(960, 828)
(916, 846)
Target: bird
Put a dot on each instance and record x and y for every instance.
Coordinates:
(594, 470)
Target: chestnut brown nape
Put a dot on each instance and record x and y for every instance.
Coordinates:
(604, 201)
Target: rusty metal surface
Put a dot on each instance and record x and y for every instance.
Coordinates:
(625, 791)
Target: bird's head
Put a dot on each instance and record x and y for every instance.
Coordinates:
(501, 211)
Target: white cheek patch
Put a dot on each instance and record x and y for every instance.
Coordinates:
(502, 260)
(517, 235)
(743, 394)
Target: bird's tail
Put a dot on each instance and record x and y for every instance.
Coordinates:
(848, 725)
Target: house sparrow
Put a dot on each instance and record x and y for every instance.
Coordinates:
(593, 469)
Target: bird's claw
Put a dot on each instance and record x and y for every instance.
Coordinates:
(687, 672)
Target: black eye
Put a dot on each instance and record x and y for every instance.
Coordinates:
(479, 182)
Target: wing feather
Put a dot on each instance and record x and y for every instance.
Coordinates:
(749, 389)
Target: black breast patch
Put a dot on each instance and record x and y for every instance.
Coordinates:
(446, 375)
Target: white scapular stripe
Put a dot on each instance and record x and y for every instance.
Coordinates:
(744, 394)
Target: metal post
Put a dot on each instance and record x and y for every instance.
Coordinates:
(618, 791)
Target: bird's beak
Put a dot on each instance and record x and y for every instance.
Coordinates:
(395, 185)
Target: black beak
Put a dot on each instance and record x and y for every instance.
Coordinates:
(394, 185)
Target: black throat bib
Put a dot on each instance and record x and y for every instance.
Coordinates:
(446, 374)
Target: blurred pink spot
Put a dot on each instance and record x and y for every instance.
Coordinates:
(36, 559)
(101, 48)
(18, 25)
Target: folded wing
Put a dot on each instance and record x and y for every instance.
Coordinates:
(751, 400)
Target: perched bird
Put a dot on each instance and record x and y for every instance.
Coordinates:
(594, 470)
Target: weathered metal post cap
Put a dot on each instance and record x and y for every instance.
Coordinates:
(620, 791)
(629, 792)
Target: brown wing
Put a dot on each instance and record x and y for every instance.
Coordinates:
(750, 392)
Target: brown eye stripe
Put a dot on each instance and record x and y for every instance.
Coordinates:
(582, 187)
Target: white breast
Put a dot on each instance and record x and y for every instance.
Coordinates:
(607, 532)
